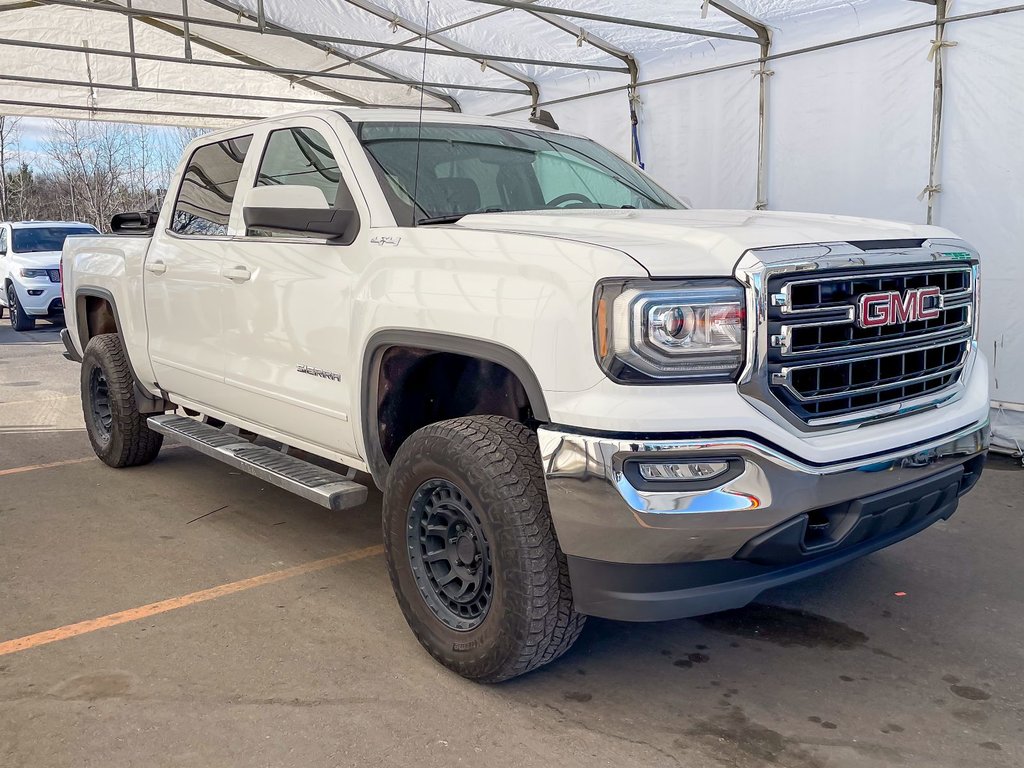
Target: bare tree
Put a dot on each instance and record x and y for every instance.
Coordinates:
(89, 170)
(8, 142)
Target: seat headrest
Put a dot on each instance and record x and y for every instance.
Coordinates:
(460, 195)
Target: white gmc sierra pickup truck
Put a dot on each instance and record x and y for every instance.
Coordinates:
(579, 397)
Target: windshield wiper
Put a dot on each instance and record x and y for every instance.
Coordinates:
(451, 218)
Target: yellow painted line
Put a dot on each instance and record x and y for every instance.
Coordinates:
(34, 467)
(171, 604)
(67, 462)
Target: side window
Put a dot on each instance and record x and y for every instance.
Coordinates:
(208, 188)
(3, 240)
(300, 156)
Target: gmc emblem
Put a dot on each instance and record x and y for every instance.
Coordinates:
(892, 307)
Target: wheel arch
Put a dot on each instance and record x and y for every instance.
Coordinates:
(98, 323)
(432, 343)
(83, 327)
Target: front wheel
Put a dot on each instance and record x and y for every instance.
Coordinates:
(20, 320)
(118, 432)
(472, 551)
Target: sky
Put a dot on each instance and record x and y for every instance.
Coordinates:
(34, 134)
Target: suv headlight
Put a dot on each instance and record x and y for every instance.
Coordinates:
(689, 331)
(33, 273)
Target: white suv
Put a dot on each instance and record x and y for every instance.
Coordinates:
(30, 268)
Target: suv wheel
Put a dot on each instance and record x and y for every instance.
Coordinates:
(118, 432)
(472, 552)
(19, 320)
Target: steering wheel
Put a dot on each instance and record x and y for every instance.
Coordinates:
(569, 197)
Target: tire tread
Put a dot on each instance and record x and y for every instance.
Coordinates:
(137, 443)
(506, 452)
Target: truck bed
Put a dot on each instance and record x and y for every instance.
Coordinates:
(108, 268)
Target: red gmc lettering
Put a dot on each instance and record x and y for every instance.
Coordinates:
(876, 309)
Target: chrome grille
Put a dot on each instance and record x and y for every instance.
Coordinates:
(824, 367)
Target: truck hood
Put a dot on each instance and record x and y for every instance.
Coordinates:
(695, 242)
(39, 260)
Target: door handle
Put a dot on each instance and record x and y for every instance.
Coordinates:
(238, 274)
(156, 267)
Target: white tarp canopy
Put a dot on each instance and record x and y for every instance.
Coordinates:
(850, 123)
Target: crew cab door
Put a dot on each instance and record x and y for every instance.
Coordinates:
(288, 298)
(182, 278)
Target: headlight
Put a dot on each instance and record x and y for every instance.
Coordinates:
(33, 273)
(670, 330)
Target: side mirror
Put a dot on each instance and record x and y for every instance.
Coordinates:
(296, 210)
(134, 223)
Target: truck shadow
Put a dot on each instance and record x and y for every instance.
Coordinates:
(44, 331)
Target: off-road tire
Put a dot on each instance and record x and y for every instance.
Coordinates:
(126, 441)
(495, 463)
(20, 321)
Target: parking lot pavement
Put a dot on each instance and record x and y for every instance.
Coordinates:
(910, 657)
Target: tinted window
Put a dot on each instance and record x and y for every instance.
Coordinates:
(302, 157)
(208, 188)
(472, 168)
(40, 239)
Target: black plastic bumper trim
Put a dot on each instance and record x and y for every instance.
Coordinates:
(661, 592)
(70, 353)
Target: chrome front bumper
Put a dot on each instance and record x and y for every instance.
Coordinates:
(599, 515)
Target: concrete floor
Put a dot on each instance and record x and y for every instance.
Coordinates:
(319, 669)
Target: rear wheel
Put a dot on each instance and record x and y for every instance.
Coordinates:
(118, 432)
(472, 552)
(19, 320)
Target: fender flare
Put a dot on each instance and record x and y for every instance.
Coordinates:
(381, 341)
(147, 402)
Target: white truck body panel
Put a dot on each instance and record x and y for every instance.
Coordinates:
(721, 401)
(697, 243)
(524, 281)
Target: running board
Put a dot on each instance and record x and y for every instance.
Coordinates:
(321, 486)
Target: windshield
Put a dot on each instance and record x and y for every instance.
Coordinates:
(40, 239)
(474, 169)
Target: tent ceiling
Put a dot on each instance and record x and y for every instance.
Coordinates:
(213, 61)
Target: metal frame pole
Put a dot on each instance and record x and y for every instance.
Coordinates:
(131, 47)
(762, 73)
(125, 110)
(934, 187)
(616, 20)
(447, 42)
(633, 69)
(775, 56)
(192, 92)
(254, 67)
(185, 30)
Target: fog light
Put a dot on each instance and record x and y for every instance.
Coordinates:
(704, 470)
(35, 293)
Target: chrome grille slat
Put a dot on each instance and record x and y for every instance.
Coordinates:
(824, 367)
(902, 381)
(951, 332)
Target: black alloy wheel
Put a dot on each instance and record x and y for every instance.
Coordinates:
(99, 405)
(449, 555)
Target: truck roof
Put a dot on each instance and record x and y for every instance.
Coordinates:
(32, 223)
(367, 115)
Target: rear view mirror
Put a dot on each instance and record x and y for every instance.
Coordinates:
(134, 223)
(297, 210)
